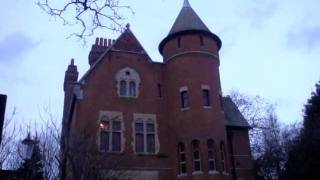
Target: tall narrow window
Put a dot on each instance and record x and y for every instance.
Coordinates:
(196, 155)
(145, 134)
(159, 90)
(223, 157)
(201, 41)
(123, 88)
(184, 99)
(132, 89)
(205, 97)
(179, 42)
(110, 135)
(211, 155)
(182, 159)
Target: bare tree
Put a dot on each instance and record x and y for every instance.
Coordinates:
(90, 15)
(9, 144)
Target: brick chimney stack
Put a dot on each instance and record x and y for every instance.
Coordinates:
(70, 78)
(100, 46)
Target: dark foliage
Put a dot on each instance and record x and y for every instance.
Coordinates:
(304, 153)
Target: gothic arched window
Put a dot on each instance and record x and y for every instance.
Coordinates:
(128, 81)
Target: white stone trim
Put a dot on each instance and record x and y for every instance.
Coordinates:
(216, 57)
(183, 88)
(145, 118)
(205, 86)
(213, 172)
(132, 77)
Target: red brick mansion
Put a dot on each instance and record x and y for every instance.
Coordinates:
(129, 117)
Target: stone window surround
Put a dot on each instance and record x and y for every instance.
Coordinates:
(133, 76)
(145, 118)
(112, 115)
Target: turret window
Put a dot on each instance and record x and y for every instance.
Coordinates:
(206, 96)
(184, 98)
(128, 81)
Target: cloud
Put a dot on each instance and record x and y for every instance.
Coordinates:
(308, 38)
(257, 12)
(14, 45)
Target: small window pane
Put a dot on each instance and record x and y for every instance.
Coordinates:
(123, 88)
(196, 155)
(210, 144)
(116, 125)
(195, 144)
(197, 166)
(183, 157)
(150, 127)
(139, 127)
(132, 88)
(210, 154)
(212, 166)
(139, 143)
(116, 141)
(183, 168)
(104, 141)
(181, 147)
(150, 143)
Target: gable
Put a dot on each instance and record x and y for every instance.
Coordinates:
(126, 42)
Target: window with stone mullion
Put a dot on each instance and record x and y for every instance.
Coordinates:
(110, 136)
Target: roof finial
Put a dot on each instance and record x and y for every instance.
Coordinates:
(128, 26)
(186, 3)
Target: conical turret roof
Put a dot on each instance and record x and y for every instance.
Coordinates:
(188, 22)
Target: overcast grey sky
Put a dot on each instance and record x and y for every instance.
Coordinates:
(270, 48)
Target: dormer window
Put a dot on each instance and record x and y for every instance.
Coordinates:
(128, 81)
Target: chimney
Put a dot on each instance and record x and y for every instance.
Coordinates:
(100, 46)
